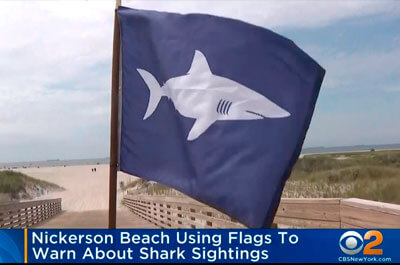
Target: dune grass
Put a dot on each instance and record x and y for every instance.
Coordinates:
(148, 187)
(12, 183)
(366, 175)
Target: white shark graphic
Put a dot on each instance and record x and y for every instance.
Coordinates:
(206, 97)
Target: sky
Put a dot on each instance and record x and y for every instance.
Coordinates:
(55, 68)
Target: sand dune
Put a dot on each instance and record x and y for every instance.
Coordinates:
(84, 190)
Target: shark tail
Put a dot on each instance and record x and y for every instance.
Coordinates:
(155, 92)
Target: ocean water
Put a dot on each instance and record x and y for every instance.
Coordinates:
(100, 161)
(54, 163)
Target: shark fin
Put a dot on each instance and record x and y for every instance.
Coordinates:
(199, 126)
(155, 92)
(199, 64)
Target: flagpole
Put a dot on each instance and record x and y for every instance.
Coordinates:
(112, 206)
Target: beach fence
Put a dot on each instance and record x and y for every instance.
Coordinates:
(26, 214)
(177, 212)
(183, 212)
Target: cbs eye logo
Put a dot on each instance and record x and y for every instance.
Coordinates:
(352, 243)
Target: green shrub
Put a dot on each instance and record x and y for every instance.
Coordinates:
(12, 183)
(365, 175)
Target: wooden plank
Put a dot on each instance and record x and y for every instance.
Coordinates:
(321, 212)
(313, 211)
(154, 218)
(372, 205)
(311, 200)
(170, 221)
(171, 210)
(182, 202)
(19, 205)
(24, 214)
(308, 213)
(304, 223)
(368, 218)
(205, 221)
(348, 226)
(155, 213)
(191, 215)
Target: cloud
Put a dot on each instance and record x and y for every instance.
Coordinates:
(273, 14)
(362, 71)
(55, 63)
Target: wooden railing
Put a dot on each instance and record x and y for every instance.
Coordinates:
(177, 212)
(25, 214)
(182, 212)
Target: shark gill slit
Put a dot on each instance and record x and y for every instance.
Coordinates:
(229, 106)
(219, 103)
(225, 107)
(222, 106)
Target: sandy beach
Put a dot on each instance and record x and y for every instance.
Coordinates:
(84, 190)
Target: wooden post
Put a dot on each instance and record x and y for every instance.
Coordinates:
(112, 207)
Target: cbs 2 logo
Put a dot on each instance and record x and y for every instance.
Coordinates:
(352, 243)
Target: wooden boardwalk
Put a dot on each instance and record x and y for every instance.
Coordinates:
(183, 212)
(142, 211)
(94, 219)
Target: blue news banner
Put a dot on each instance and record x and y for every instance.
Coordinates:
(199, 245)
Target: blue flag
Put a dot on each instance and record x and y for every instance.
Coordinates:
(214, 107)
